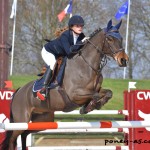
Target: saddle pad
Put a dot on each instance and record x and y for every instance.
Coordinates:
(38, 84)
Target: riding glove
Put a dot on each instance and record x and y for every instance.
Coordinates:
(85, 39)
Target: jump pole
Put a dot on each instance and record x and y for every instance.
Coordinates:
(80, 148)
(95, 112)
(100, 130)
(74, 125)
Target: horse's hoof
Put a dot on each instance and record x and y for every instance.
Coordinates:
(98, 105)
(82, 110)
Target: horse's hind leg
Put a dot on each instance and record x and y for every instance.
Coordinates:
(13, 139)
(19, 114)
(23, 140)
(45, 117)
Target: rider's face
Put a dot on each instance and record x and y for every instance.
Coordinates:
(77, 28)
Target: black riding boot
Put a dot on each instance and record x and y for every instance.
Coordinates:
(43, 93)
(48, 76)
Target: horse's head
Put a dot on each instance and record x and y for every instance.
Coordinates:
(113, 44)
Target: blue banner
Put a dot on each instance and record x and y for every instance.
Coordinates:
(123, 10)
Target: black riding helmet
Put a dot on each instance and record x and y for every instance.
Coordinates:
(76, 20)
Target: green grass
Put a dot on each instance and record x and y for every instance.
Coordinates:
(118, 86)
(20, 80)
(80, 135)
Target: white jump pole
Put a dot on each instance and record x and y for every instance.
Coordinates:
(95, 112)
(80, 148)
(74, 125)
(102, 130)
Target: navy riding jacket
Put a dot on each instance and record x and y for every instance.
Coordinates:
(64, 45)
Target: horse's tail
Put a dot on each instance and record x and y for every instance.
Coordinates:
(11, 116)
(5, 143)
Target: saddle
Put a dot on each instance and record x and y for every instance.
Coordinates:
(42, 71)
(57, 75)
(56, 67)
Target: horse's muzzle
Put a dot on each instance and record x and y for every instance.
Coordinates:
(123, 62)
(122, 58)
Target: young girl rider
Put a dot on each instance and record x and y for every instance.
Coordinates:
(66, 44)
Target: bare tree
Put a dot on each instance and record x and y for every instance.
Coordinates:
(139, 39)
(37, 20)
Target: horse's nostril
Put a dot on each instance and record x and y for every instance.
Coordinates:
(123, 61)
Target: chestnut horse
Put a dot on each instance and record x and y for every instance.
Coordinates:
(81, 85)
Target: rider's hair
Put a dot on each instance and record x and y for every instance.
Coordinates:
(59, 31)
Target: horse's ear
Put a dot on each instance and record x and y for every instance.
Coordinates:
(109, 25)
(118, 25)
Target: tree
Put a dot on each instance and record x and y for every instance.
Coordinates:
(37, 20)
(139, 40)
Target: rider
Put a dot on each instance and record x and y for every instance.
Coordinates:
(70, 41)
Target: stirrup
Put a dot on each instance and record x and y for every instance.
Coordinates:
(41, 95)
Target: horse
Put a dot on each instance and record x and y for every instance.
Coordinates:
(81, 86)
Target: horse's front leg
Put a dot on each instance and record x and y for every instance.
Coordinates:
(98, 100)
(82, 96)
(105, 95)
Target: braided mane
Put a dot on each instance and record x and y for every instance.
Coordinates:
(95, 32)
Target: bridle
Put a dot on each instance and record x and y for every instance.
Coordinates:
(104, 56)
(109, 46)
(111, 49)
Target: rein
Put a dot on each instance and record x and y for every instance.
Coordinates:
(103, 57)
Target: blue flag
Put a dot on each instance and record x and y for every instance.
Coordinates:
(123, 10)
(69, 11)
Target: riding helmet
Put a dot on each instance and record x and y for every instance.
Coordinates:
(76, 20)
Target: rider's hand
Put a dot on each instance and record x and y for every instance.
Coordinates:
(85, 39)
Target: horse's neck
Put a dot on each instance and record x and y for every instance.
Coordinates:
(90, 52)
(81, 71)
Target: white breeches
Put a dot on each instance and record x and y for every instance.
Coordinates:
(48, 58)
